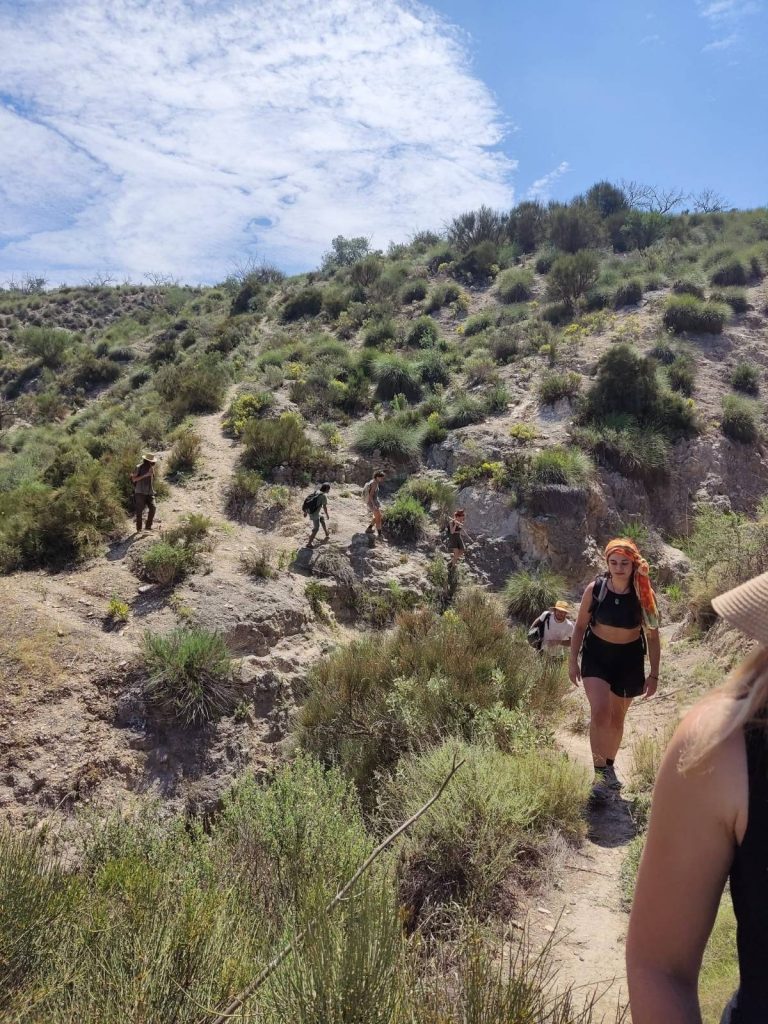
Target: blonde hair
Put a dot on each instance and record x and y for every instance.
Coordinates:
(746, 692)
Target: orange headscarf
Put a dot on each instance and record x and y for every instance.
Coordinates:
(641, 577)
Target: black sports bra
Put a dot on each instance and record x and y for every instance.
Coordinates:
(622, 611)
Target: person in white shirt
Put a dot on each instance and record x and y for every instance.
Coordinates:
(557, 628)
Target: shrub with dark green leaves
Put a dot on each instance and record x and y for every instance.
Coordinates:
(687, 287)
(248, 405)
(433, 369)
(478, 265)
(636, 451)
(515, 286)
(554, 386)
(48, 344)
(545, 260)
(196, 386)
(463, 411)
(442, 295)
(504, 346)
(739, 420)
(190, 674)
(91, 372)
(687, 313)
(396, 376)
(598, 298)
(241, 494)
(335, 301)
(731, 271)
(681, 374)
(166, 564)
(733, 297)
(405, 519)
(574, 228)
(280, 442)
(414, 291)
(746, 377)
(307, 302)
(422, 333)
(571, 276)
(478, 323)
(429, 491)
(528, 594)
(379, 333)
(388, 439)
(186, 451)
(629, 293)
(663, 353)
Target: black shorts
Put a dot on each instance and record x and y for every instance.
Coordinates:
(622, 666)
(455, 540)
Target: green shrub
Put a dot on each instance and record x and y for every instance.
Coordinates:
(258, 562)
(598, 298)
(479, 322)
(633, 450)
(732, 271)
(463, 411)
(388, 439)
(504, 346)
(554, 386)
(545, 260)
(428, 492)
(687, 287)
(574, 228)
(528, 594)
(564, 466)
(280, 442)
(245, 407)
(335, 301)
(682, 374)
(480, 369)
(307, 302)
(47, 344)
(497, 398)
(571, 276)
(186, 451)
(499, 810)
(117, 609)
(629, 293)
(663, 353)
(166, 564)
(475, 227)
(379, 333)
(740, 419)
(433, 369)
(442, 295)
(396, 376)
(423, 333)
(687, 313)
(414, 291)
(515, 286)
(90, 371)
(746, 377)
(405, 518)
(733, 297)
(241, 494)
(197, 386)
(190, 674)
(374, 699)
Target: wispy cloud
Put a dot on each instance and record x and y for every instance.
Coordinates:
(725, 18)
(722, 44)
(181, 135)
(647, 40)
(542, 187)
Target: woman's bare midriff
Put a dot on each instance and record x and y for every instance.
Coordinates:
(614, 634)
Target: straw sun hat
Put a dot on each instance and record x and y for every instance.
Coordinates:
(746, 608)
(560, 606)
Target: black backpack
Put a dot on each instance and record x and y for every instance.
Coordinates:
(311, 503)
(535, 635)
(599, 591)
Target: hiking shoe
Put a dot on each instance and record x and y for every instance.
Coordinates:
(379, 533)
(369, 530)
(601, 788)
(611, 778)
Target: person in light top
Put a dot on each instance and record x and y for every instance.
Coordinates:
(556, 628)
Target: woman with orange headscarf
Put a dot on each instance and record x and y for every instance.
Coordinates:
(618, 614)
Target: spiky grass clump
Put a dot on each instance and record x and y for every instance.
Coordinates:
(688, 313)
(565, 466)
(388, 439)
(528, 594)
(396, 376)
(740, 419)
(405, 518)
(190, 674)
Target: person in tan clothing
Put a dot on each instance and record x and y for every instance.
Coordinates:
(143, 480)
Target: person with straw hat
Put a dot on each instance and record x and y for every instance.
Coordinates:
(617, 622)
(709, 824)
(143, 480)
(553, 629)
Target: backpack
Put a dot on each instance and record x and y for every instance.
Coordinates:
(599, 591)
(311, 503)
(367, 490)
(535, 635)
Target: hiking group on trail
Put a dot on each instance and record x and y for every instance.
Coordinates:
(551, 632)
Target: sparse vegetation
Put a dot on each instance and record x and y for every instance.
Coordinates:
(746, 377)
(388, 439)
(190, 674)
(553, 386)
(405, 518)
(687, 313)
(740, 419)
(528, 594)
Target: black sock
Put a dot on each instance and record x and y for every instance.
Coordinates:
(609, 762)
(600, 769)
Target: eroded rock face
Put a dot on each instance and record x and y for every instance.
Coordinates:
(252, 615)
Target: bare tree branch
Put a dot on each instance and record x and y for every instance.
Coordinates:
(708, 201)
(664, 200)
(224, 1015)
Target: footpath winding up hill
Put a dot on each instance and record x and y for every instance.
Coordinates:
(560, 392)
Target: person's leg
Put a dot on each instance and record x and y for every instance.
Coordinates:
(377, 518)
(138, 505)
(324, 526)
(315, 528)
(599, 695)
(619, 709)
(150, 503)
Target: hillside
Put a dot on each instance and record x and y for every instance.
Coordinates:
(564, 374)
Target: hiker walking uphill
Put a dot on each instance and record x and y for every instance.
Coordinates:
(456, 525)
(618, 612)
(314, 506)
(143, 480)
(551, 632)
(372, 501)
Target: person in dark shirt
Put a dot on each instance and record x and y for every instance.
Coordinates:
(617, 619)
(143, 480)
(709, 823)
(316, 515)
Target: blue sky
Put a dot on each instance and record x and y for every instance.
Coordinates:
(186, 136)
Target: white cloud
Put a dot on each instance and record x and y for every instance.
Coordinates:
(182, 135)
(541, 188)
(722, 44)
(725, 10)
(647, 40)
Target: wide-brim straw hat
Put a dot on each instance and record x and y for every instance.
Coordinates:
(561, 606)
(148, 457)
(746, 608)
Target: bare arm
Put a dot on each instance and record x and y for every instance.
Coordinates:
(695, 822)
(654, 656)
(582, 622)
